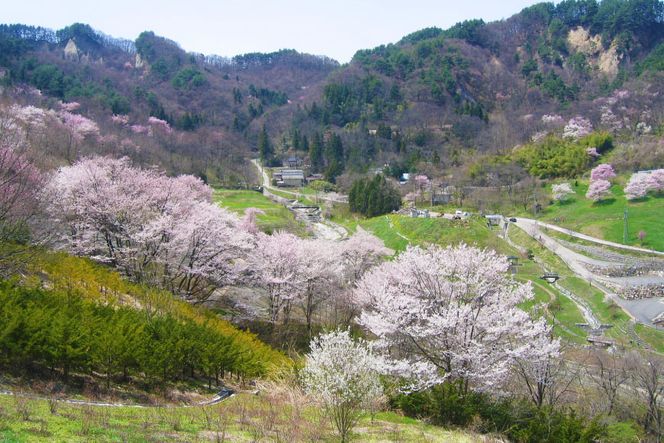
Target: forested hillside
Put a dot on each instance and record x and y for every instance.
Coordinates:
(436, 101)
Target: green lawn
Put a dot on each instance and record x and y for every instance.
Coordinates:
(276, 216)
(398, 230)
(605, 219)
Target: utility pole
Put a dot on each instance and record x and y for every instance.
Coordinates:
(625, 227)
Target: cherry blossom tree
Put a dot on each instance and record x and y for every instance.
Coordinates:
(154, 228)
(577, 127)
(562, 191)
(204, 244)
(248, 222)
(448, 314)
(276, 268)
(342, 373)
(79, 127)
(360, 252)
(122, 120)
(160, 125)
(540, 368)
(602, 172)
(637, 186)
(552, 119)
(598, 190)
(656, 180)
(20, 180)
(321, 269)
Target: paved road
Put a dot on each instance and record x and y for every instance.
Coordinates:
(644, 310)
(589, 238)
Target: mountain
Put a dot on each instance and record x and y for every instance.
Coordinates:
(212, 102)
(435, 101)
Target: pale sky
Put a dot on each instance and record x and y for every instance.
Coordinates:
(230, 27)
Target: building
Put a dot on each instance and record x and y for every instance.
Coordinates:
(293, 162)
(291, 178)
(314, 177)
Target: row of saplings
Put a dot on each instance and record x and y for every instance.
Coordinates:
(450, 345)
(65, 333)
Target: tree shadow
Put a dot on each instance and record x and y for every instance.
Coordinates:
(566, 202)
(605, 202)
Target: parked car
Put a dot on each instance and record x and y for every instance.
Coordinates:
(513, 220)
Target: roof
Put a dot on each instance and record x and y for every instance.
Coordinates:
(292, 174)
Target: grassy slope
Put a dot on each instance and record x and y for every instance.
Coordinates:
(241, 418)
(605, 219)
(276, 216)
(441, 231)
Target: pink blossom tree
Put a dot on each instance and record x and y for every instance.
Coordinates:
(602, 172)
(249, 222)
(598, 190)
(450, 313)
(20, 180)
(154, 228)
(360, 252)
(321, 270)
(122, 120)
(637, 186)
(539, 367)
(70, 107)
(203, 247)
(656, 181)
(276, 268)
(160, 125)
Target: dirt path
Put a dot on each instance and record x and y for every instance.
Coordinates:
(218, 398)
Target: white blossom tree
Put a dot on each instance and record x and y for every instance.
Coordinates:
(449, 314)
(562, 191)
(343, 374)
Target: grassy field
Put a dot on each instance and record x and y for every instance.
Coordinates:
(276, 216)
(605, 219)
(270, 416)
(399, 230)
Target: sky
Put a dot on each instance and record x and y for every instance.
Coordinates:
(335, 28)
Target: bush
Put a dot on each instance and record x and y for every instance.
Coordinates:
(518, 420)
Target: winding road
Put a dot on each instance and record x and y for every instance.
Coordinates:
(324, 229)
(642, 310)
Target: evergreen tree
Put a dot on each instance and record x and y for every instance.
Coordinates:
(372, 197)
(316, 153)
(265, 151)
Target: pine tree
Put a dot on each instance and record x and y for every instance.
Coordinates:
(316, 153)
(265, 150)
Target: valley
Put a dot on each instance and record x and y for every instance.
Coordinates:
(452, 236)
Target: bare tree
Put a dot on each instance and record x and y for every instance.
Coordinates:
(647, 371)
(609, 374)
